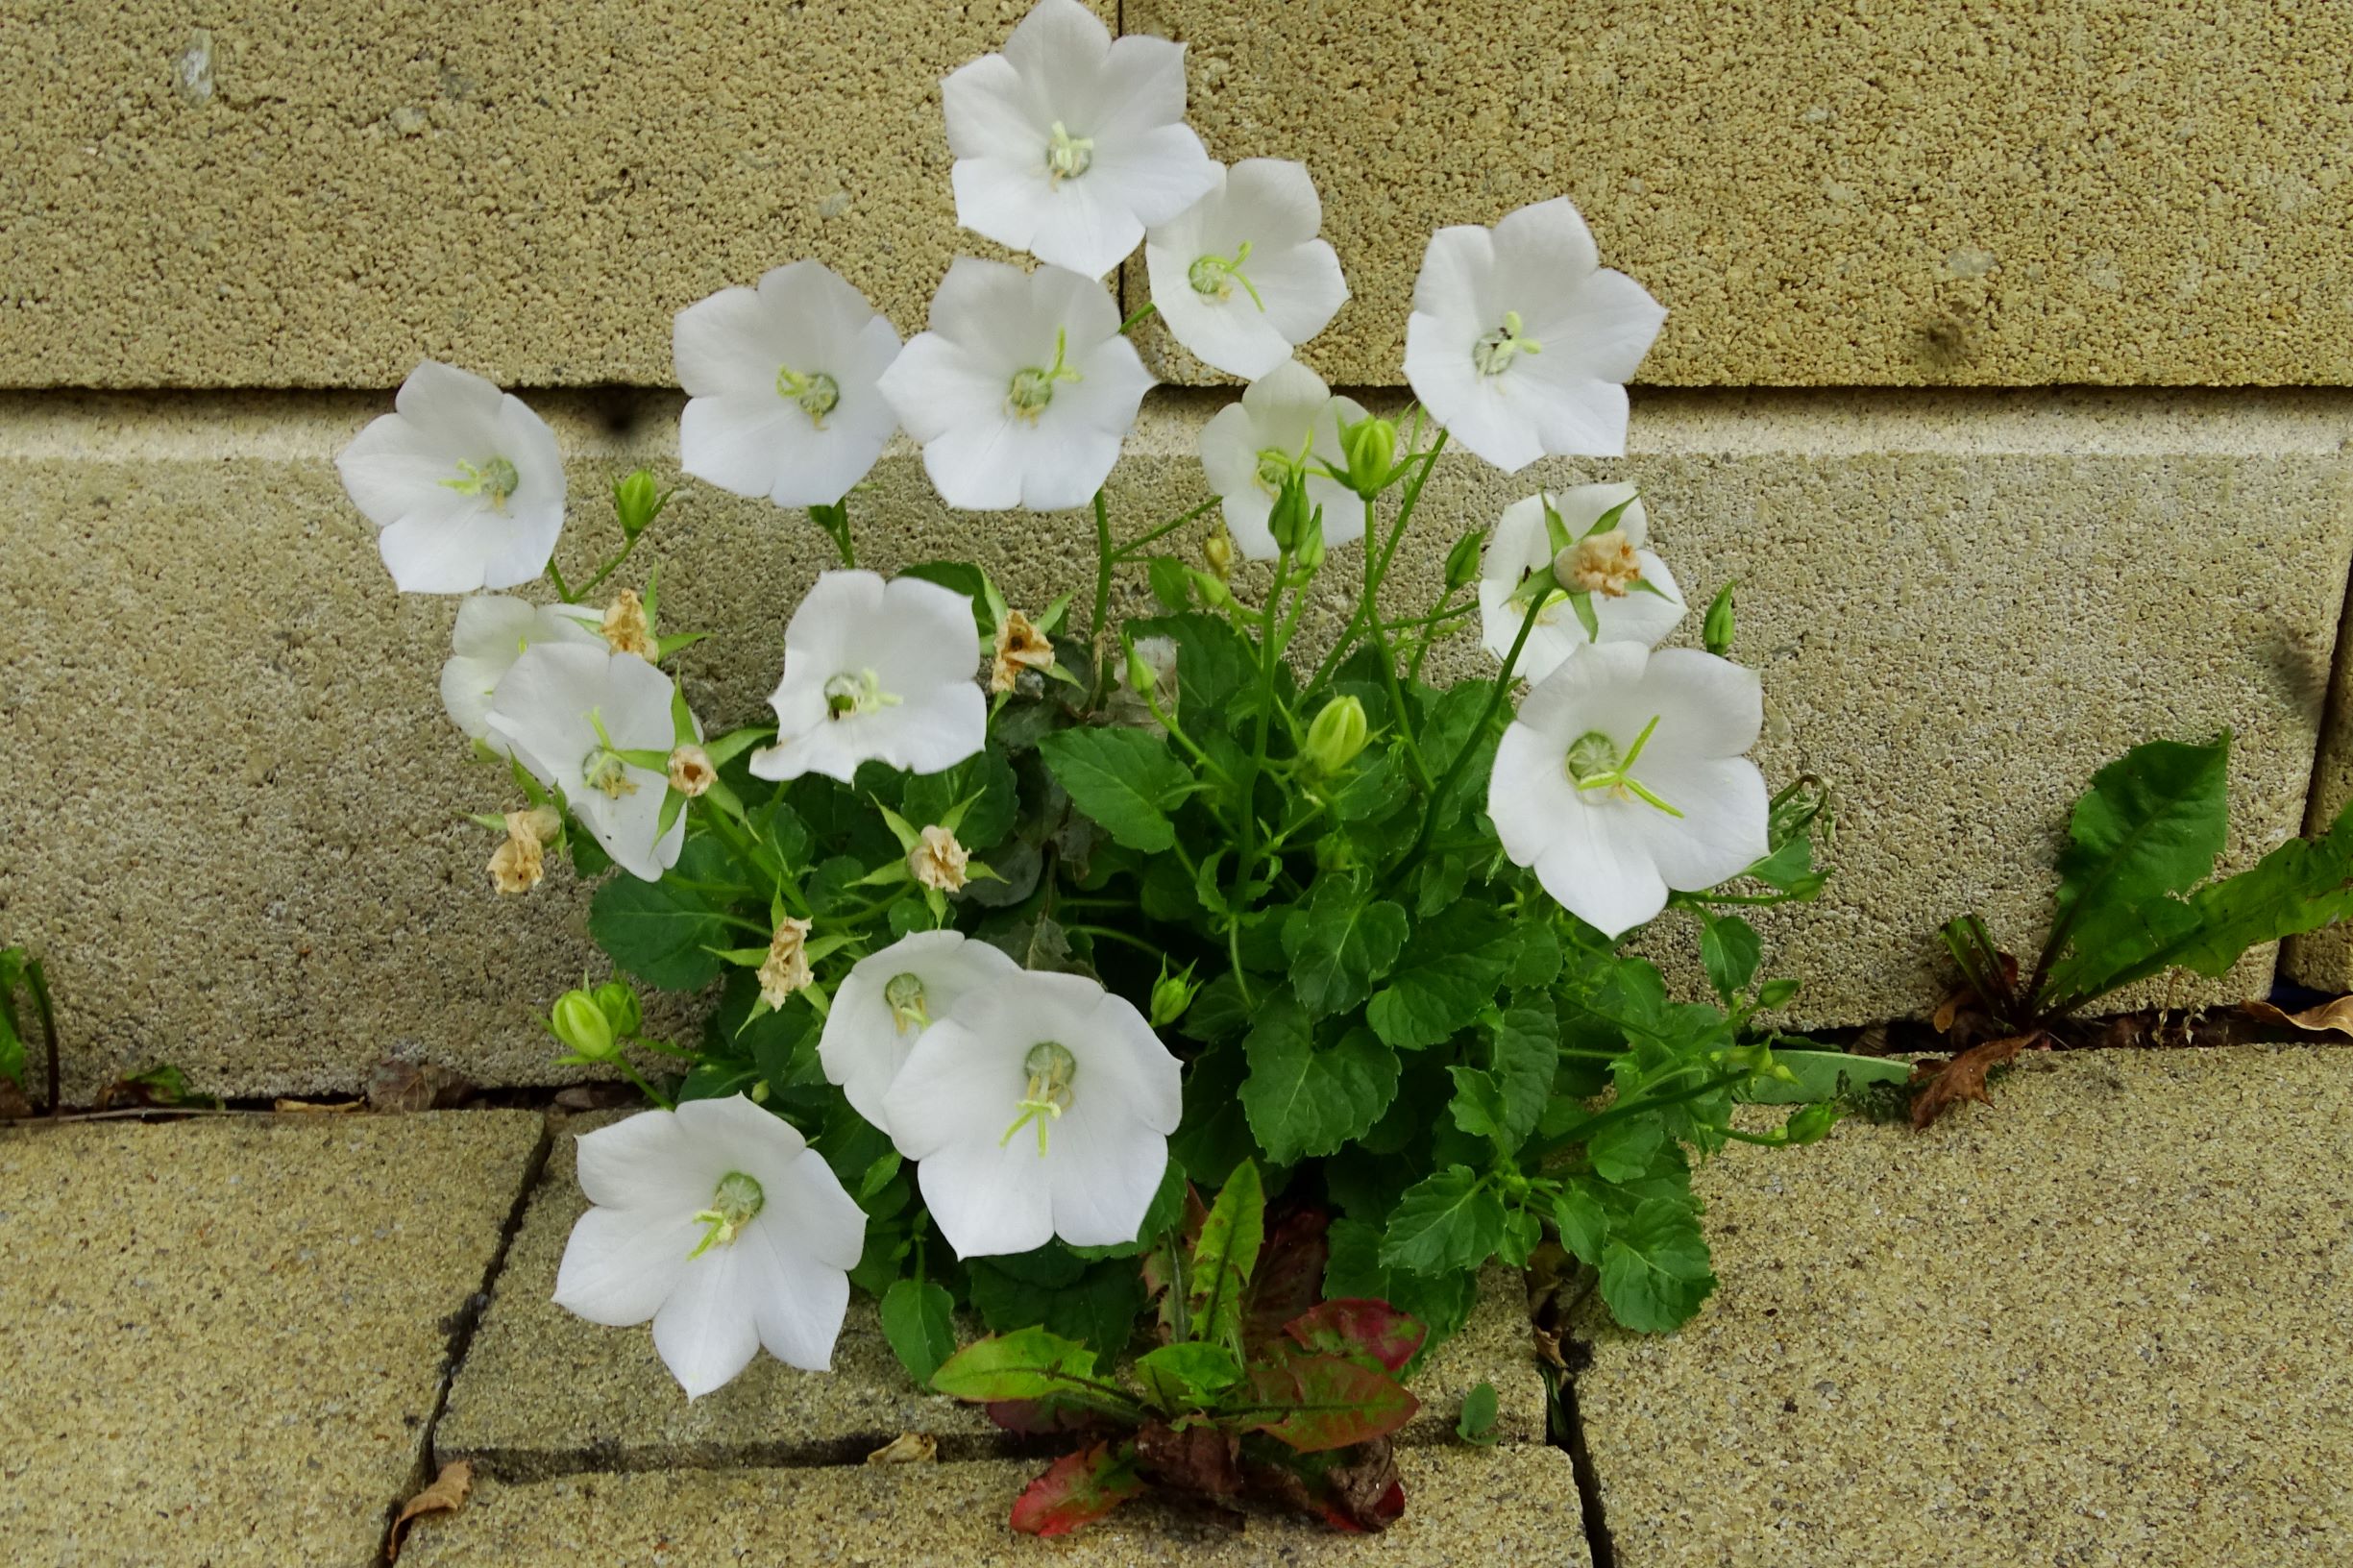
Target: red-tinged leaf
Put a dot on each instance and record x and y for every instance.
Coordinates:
(1327, 1402)
(1290, 1275)
(1202, 1459)
(1353, 1489)
(1078, 1489)
(1165, 1268)
(1355, 1327)
(1045, 1417)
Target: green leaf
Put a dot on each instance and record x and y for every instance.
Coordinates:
(1218, 1011)
(1623, 1150)
(1730, 951)
(664, 932)
(1224, 1258)
(1446, 977)
(1027, 1363)
(1214, 663)
(919, 1320)
(1160, 1215)
(1440, 1302)
(1478, 1105)
(2151, 824)
(1304, 1100)
(1655, 1268)
(985, 781)
(1537, 962)
(1584, 1224)
(1172, 582)
(1188, 1375)
(1339, 942)
(1527, 1057)
(1477, 1422)
(1095, 1304)
(1452, 1221)
(1824, 1075)
(1374, 789)
(1127, 780)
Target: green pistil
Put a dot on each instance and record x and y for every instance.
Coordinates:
(1593, 763)
(1068, 156)
(1214, 276)
(1032, 389)
(817, 393)
(603, 769)
(856, 691)
(1494, 353)
(737, 1200)
(1051, 1068)
(493, 480)
(905, 994)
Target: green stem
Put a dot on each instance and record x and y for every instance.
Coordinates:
(1104, 931)
(1584, 1131)
(1104, 556)
(643, 1087)
(1137, 317)
(555, 575)
(607, 569)
(1470, 744)
(1128, 550)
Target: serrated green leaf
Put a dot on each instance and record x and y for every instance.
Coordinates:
(1448, 1222)
(1126, 780)
(1339, 943)
(1729, 950)
(920, 1321)
(1171, 583)
(1094, 1303)
(1440, 1302)
(1214, 663)
(1446, 976)
(983, 784)
(1623, 1150)
(2151, 824)
(665, 932)
(1584, 1224)
(1655, 1267)
(1527, 1058)
(1303, 1099)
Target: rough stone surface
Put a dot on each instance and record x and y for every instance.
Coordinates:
(544, 1394)
(324, 194)
(222, 1340)
(2323, 959)
(1925, 193)
(257, 864)
(1513, 1505)
(2100, 1322)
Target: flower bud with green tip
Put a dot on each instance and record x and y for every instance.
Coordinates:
(1811, 1124)
(1716, 631)
(637, 501)
(1337, 735)
(1292, 513)
(1462, 562)
(1309, 554)
(617, 1001)
(1370, 446)
(1172, 995)
(580, 1022)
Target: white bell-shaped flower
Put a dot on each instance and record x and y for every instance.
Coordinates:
(1240, 277)
(717, 1221)
(1040, 1106)
(889, 999)
(781, 383)
(492, 631)
(1520, 341)
(1622, 778)
(1628, 591)
(1072, 142)
(1022, 391)
(876, 672)
(1287, 420)
(568, 712)
(464, 481)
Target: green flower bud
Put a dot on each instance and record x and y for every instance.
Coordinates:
(1309, 554)
(1288, 521)
(1812, 1123)
(581, 1023)
(1371, 448)
(1172, 995)
(1793, 810)
(617, 1000)
(1462, 562)
(637, 501)
(1716, 631)
(1212, 588)
(1338, 734)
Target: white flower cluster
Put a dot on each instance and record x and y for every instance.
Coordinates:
(1039, 1105)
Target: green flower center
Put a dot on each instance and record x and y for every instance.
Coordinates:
(1275, 469)
(817, 393)
(1033, 389)
(494, 480)
(858, 690)
(603, 769)
(1494, 353)
(1213, 277)
(1068, 156)
(1051, 1069)
(905, 995)
(735, 1202)
(1593, 763)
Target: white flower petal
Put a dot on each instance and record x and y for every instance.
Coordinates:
(798, 1303)
(1105, 1173)
(1603, 874)
(1473, 407)
(645, 1160)
(1542, 247)
(620, 1265)
(1599, 331)
(541, 709)
(1058, 41)
(863, 1047)
(913, 642)
(1721, 831)
(708, 1331)
(989, 1199)
(1714, 707)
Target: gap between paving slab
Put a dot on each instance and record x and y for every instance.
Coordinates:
(543, 1393)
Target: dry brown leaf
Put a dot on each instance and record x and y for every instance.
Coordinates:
(907, 1448)
(1950, 1009)
(14, 1106)
(445, 1495)
(320, 1107)
(410, 1085)
(2329, 1018)
(1963, 1078)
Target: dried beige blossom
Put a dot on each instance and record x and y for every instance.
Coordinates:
(787, 969)
(519, 864)
(1019, 645)
(625, 627)
(939, 861)
(1599, 563)
(690, 772)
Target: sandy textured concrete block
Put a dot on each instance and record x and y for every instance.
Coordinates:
(2323, 959)
(1511, 1505)
(544, 1394)
(233, 817)
(222, 1340)
(324, 194)
(1930, 192)
(2099, 1322)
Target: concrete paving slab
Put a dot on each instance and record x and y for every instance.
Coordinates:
(222, 1340)
(1512, 1506)
(2100, 1322)
(544, 1394)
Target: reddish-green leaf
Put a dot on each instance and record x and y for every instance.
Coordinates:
(1078, 1489)
(1359, 1328)
(1224, 1258)
(1350, 1488)
(1324, 1402)
(1028, 1364)
(1290, 1275)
